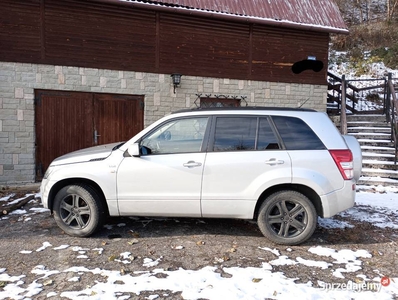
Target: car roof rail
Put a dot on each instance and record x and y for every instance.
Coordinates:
(243, 108)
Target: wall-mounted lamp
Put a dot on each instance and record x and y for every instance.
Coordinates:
(176, 80)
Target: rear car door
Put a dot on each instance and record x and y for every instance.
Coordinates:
(245, 157)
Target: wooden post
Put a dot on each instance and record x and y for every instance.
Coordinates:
(388, 100)
(343, 116)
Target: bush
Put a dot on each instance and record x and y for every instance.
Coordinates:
(381, 39)
(367, 36)
(391, 57)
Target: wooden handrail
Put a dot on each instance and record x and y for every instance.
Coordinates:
(343, 114)
(337, 78)
(393, 116)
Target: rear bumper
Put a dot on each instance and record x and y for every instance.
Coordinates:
(339, 200)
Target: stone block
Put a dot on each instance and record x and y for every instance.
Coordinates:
(70, 70)
(8, 167)
(19, 94)
(110, 74)
(45, 69)
(49, 79)
(7, 73)
(91, 72)
(74, 80)
(93, 81)
(7, 65)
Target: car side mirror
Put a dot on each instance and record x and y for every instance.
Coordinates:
(134, 150)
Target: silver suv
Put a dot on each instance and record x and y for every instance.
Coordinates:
(281, 167)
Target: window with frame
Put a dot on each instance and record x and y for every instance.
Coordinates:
(243, 134)
(296, 134)
(267, 139)
(176, 136)
(218, 102)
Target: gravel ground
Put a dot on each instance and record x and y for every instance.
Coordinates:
(177, 243)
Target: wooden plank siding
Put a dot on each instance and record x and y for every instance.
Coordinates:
(191, 45)
(120, 37)
(275, 50)
(103, 36)
(20, 38)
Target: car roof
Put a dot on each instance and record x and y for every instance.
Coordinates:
(243, 108)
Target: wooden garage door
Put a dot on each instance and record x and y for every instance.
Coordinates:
(68, 121)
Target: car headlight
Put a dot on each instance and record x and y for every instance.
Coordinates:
(48, 172)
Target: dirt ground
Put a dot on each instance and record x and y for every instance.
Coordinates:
(200, 243)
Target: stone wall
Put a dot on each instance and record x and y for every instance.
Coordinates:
(18, 82)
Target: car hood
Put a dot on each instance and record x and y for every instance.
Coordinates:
(88, 154)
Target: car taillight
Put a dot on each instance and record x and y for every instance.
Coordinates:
(344, 161)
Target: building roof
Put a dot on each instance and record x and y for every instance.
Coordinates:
(316, 15)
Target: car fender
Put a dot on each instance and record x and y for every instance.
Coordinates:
(103, 173)
(318, 181)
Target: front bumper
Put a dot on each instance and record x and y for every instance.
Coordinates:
(45, 188)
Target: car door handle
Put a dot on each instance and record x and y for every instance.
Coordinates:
(192, 164)
(274, 161)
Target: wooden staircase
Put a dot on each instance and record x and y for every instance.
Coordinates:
(378, 153)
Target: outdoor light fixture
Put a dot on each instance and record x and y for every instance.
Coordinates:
(176, 80)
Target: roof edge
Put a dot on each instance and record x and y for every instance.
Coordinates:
(227, 16)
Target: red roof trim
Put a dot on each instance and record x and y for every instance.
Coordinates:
(314, 15)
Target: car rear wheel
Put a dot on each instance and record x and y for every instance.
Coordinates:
(78, 210)
(287, 218)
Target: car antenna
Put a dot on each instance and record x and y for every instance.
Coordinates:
(304, 102)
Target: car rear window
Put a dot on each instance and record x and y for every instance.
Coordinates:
(296, 134)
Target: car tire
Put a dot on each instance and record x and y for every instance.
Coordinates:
(287, 218)
(78, 210)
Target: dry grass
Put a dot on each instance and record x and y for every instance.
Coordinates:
(380, 39)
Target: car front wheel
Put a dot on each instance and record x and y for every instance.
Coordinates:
(78, 210)
(287, 218)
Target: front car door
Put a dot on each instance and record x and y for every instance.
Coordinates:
(244, 158)
(166, 179)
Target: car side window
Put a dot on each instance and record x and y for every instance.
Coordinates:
(176, 136)
(267, 139)
(296, 134)
(235, 133)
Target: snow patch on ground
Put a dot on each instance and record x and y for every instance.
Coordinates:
(379, 207)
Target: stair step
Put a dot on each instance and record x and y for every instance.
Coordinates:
(378, 153)
(368, 124)
(360, 129)
(371, 135)
(378, 156)
(366, 180)
(367, 117)
(371, 172)
(379, 164)
(375, 143)
(378, 149)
